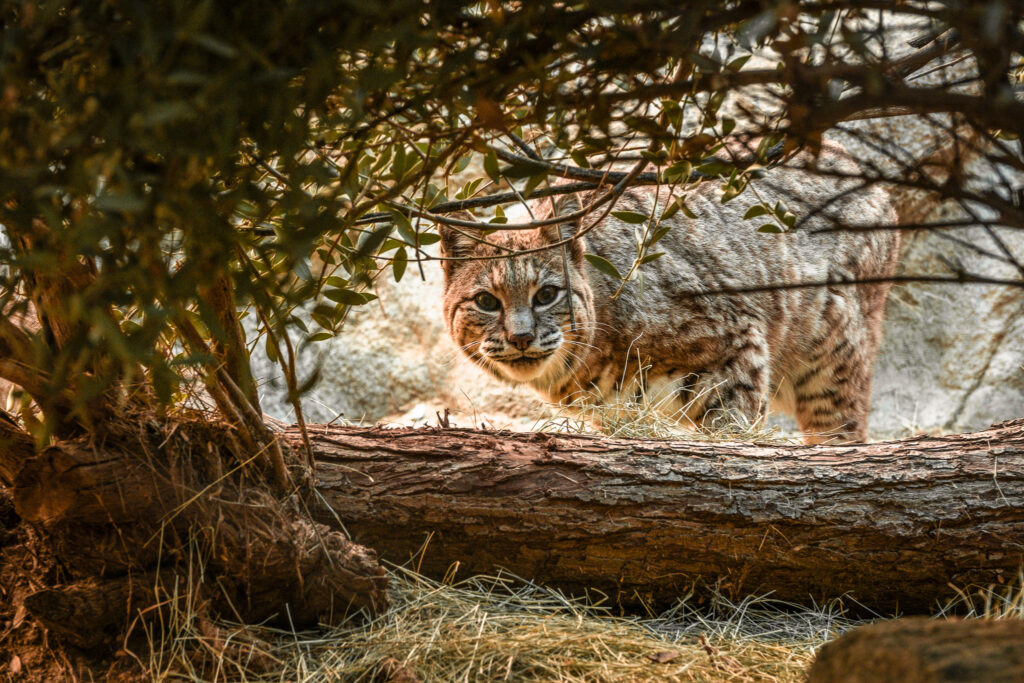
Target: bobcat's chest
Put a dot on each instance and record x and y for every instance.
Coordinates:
(628, 388)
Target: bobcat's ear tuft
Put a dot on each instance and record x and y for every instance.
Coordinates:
(565, 205)
(456, 242)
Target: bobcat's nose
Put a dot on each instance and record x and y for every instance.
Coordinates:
(521, 340)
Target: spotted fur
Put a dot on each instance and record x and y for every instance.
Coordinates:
(806, 351)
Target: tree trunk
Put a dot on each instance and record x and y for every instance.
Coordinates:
(896, 526)
(123, 520)
(920, 650)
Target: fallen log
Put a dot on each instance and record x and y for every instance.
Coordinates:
(920, 650)
(896, 526)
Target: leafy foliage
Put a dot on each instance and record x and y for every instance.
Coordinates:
(164, 163)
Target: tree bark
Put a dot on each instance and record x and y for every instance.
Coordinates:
(919, 650)
(895, 526)
(92, 613)
(125, 518)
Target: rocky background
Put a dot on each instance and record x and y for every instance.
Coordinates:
(952, 358)
(953, 355)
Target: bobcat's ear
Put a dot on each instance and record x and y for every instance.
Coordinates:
(456, 242)
(565, 205)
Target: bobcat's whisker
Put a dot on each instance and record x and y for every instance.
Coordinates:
(455, 355)
(569, 366)
(579, 343)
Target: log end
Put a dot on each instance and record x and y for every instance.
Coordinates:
(919, 650)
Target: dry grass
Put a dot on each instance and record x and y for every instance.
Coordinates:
(496, 629)
(504, 629)
(988, 602)
(646, 417)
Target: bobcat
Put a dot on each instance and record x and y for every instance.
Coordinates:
(805, 351)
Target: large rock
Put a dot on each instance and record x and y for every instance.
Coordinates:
(395, 359)
(953, 355)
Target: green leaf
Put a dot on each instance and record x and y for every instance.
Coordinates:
(432, 195)
(603, 265)
(319, 336)
(630, 216)
(215, 45)
(404, 228)
(658, 234)
(326, 322)
(520, 170)
(123, 203)
(671, 210)
(400, 165)
(767, 142)
(491, 166)
(335, 281)
(469, 189)
(737, 64)
(390, 244)
(687, 211)
(715, 167)
(679, 171)
(370, 242)
(307, 384)
(302, 270)
(382, 161)
(499, 216)
(770, 227)
(399, 263)
(165, 381)
(705, 63)
(755, 211)
(348, 297)
(533, 182)
(579, 157)
(657, 158)
(161, 113)
(651, 257)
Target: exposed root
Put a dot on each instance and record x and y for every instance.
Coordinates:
(122, 517)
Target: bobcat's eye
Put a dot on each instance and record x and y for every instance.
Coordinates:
(487, 301)
(545, 295)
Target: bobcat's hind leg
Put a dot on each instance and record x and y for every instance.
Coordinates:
(737, 387)
(832, 391)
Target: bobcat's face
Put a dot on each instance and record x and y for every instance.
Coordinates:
(511, 315)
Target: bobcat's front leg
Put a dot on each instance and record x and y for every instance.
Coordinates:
(738, 386)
